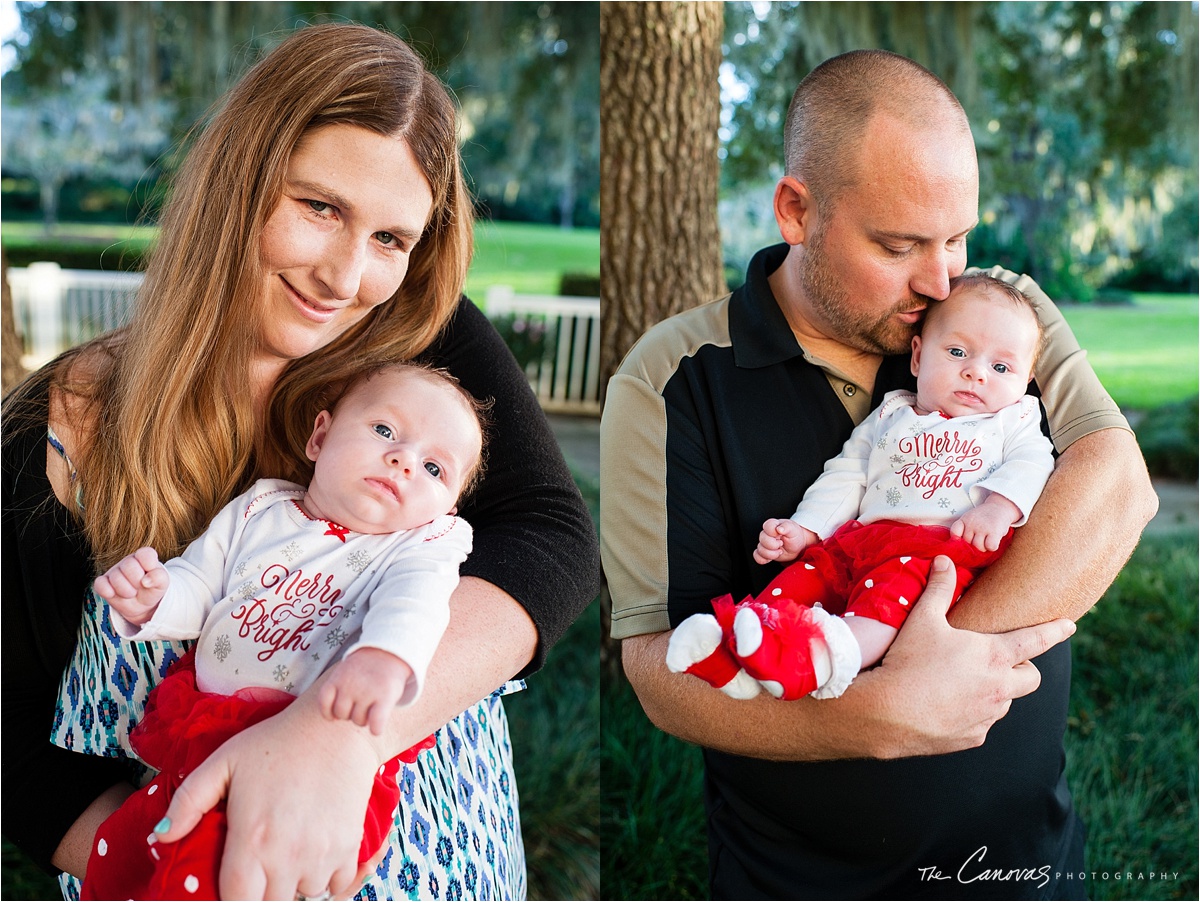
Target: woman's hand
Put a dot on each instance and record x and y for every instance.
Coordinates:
(298, 783)
(297, 786)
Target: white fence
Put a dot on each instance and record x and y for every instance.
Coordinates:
(556, 340)
(56, 309)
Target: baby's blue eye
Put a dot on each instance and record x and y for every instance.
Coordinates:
(433, 469)
(957, 352)
(382, 430)
(1000, 367)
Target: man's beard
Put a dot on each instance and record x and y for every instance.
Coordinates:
(841, 315)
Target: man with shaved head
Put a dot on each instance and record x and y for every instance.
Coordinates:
(939, 773)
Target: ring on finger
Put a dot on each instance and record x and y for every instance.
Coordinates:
(323, 896)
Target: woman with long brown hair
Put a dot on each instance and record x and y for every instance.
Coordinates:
(320, 221)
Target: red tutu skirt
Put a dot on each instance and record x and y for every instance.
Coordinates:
(181, 727)
(876, 570)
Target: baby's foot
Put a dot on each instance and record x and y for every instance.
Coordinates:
(773, 647)
(843, 657)
(795, 650)
(697, 647)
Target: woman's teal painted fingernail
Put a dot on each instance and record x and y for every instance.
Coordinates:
(163, 826)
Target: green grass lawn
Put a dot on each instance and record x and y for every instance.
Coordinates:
(531, 258)
(1145, 353)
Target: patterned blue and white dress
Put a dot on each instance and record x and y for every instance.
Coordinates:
(457, 833)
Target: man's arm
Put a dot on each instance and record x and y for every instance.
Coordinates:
(938, 690)
(1079, 536)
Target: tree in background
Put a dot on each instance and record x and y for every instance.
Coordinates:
(1084, 114)
(525, 75)
(659, 245)
(76, 131)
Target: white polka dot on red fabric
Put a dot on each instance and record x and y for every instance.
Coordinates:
(152, 790)
(809, 567)
(777, 592)
(869, 583)
(905, 560)
(191, 883)
(102, 847)
(903, 600)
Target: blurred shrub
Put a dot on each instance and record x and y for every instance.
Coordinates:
(580, 285)
(103, 255)
(526, 336)
(1169, 436)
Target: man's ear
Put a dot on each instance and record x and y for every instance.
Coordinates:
(915, 366)
(317, 440)
(794, 210)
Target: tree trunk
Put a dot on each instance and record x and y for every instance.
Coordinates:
(49, 187)
(660, 110)
(10, 351)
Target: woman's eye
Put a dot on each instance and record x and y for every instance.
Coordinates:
(433, 469)
(957, 352)
(1000, 367)
(387, 239)
(318, 206)
(382, 430)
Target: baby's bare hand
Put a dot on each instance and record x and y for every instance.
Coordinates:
(983, 526)
(364, 688)
(134, 585)
(782, 540)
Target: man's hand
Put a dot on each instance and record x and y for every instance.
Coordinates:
(986, 524)
(135, 585)
(364, 687)
(782, 540)
(989, 671)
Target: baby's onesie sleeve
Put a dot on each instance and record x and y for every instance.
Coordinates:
(1028, 459)
(409, 609)
(197, 580)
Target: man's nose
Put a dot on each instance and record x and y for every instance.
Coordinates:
(936, 268)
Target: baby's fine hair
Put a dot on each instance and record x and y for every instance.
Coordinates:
(981, 281)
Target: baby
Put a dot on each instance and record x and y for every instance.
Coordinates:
(950, 470)
(352, 574)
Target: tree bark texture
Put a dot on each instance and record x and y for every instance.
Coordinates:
(659, 112)
(10, 352)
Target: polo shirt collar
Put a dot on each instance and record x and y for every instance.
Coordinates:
(758, 330)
